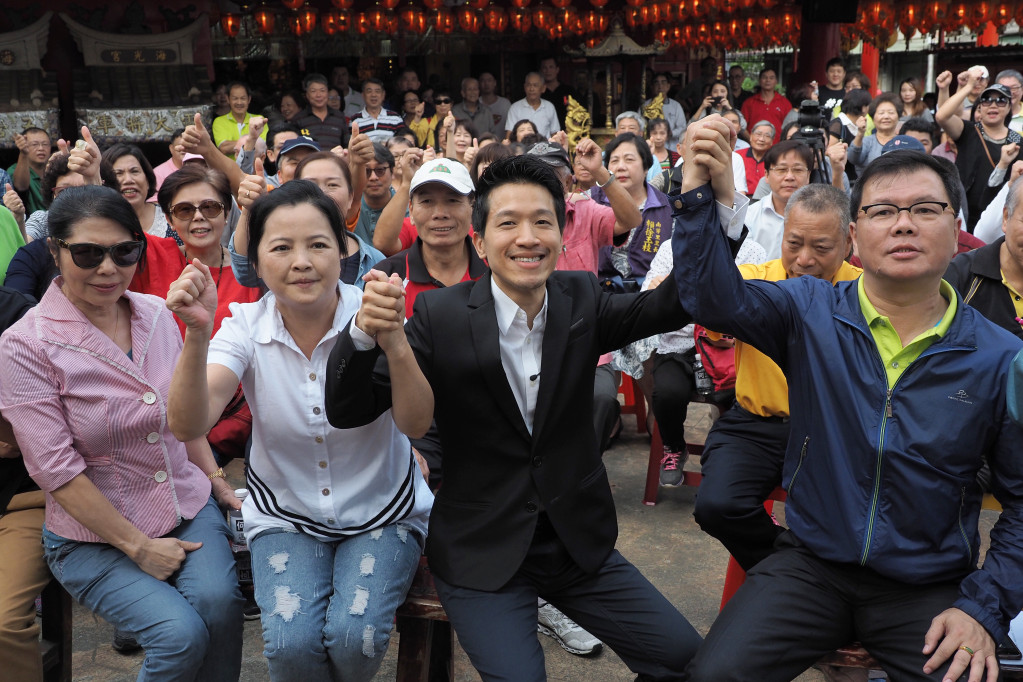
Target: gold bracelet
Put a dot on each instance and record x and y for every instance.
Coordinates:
(219, 473)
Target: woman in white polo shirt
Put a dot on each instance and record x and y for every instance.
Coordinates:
(335, 519)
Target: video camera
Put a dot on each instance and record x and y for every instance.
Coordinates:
(813, 131)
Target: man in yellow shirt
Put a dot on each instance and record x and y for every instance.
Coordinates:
(745, 450)
(234, 125)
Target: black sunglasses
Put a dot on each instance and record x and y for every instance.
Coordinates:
(442, 100)
(185, 211)
(88, 256)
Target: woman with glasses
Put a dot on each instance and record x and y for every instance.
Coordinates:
(131, 529)
(980, 141)
(761, 139)
(336, 519)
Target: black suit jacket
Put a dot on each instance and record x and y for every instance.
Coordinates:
(498, 476)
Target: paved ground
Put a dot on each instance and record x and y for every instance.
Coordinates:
(663, 541)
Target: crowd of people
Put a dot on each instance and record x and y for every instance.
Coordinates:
(409, 309)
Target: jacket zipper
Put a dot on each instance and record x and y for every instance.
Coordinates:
(877, 473)
(962, 531)
(802, 456)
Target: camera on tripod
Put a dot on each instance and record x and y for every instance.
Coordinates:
(813, 131)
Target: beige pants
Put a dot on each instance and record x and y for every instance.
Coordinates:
(23, 575)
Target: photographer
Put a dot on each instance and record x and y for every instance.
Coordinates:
(718, 100)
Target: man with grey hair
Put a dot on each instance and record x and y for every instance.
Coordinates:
(472, 109)
(991, 278)
(630, 122)
(745, 450)
(534, 108)
(1013, 79)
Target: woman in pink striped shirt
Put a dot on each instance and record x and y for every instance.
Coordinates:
(131, 529)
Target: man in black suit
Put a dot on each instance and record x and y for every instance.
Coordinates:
(505, 365)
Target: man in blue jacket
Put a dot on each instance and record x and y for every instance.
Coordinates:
(898, 397)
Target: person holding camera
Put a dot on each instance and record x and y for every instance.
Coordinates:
(718, 100)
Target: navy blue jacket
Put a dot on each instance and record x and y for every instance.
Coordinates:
(881, 478)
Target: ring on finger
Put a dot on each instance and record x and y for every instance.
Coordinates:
(967, 650)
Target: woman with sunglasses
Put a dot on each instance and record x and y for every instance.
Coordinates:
(131, 529)
(336, 519)
(980, 141)
(198, 200)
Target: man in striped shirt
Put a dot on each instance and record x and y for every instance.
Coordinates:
(374, 120)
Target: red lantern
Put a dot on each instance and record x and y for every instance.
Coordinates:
(1002, 13)
(561, 4)
(265, 20)
(343, 4)
(933, 15)
(380, 21)
(230, 24)
(594, 22)
(495, 19)
(634, 3)
(292, 4)
(698, 8)
(433, 4)
(543, 17)
(747, 4)
(668, 12)
(727, 7)
(330, 23)
(413, 19)
(567, 17)
(520, 4)
(444, 21)
(598, 3)
(958, 16)
(469, 20)
(767, 4)
(295, 25)
(909, 18)
(307, 17)
(521, 20)
(980, 14)
(633, 17)
(362, 25)
(478, 4)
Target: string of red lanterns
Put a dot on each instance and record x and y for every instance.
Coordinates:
(731, 24)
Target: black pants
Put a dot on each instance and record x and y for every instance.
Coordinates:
(615, 603)
(742, 463)
(795, 607)
(674, 387)
(606, 408)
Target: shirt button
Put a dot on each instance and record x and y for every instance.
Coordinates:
(316, 410)
(895, 365)
(531, 507)
(325, 491)
(149, 397)
(537, 461)
(678, 204)
(323, 465)
(154, 437)
(319, 439)
(160, 476)
(330, 521)
(312, 376)
(699, 195)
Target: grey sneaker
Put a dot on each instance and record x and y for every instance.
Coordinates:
(671, 468)
(566, 632)
(124, 642)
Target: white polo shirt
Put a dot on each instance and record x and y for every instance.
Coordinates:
(303, 473)
(545, 118)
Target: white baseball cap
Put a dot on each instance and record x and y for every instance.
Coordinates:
(445, 171)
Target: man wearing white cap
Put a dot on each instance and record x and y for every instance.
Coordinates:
(440, 205)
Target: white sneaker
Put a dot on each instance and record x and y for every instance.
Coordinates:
(566, 632)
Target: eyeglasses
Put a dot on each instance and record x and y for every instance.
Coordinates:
(37, 145)
(763, 136)
(185, 211)
(921, 213)
(996, 101)
(88, 256)
(785, 170)
(379, 171)
(442, 100)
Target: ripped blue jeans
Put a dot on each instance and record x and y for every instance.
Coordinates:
(328, 606)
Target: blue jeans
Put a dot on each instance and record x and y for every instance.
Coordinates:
(328, 607)
(189, 625)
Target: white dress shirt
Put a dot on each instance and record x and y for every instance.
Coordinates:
(521, 350)
(766, 226)
(545, 117)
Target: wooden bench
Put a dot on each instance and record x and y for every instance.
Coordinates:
(424, 643)
(55, 645)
